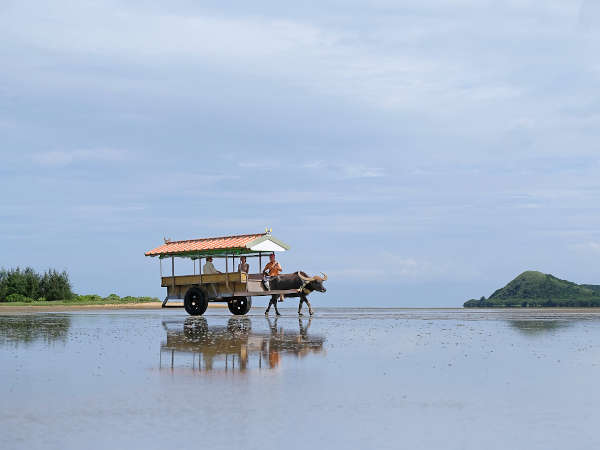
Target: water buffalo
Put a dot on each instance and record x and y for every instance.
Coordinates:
(296, 280)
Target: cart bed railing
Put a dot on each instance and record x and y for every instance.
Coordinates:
(215, 278)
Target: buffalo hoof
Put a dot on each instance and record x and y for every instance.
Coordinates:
(311, 313)
(277, 314)
(266, 313)
(300, 314)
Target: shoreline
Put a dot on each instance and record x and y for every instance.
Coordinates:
(109, 306)
(158, 305)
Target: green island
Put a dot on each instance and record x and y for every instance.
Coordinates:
(534, 289)
(21, 287)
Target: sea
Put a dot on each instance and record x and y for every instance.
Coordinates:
(346, 378)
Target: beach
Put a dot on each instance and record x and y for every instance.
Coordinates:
(7, 308)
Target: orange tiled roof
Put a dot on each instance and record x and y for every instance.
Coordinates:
(204, 245)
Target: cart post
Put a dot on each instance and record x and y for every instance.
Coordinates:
(173, 271)
(226, 271)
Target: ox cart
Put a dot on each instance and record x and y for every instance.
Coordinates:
(232, 287)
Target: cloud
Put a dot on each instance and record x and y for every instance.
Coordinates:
(587, 247)
(378, 66)
(58, 158)
(388, 266)
(403, 268)
(338, 170)
(589, 15)
(345, 170)
(359, 171)
(264, 164)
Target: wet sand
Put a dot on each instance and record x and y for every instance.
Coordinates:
(347, 378)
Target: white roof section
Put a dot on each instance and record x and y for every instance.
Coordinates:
(267, 245)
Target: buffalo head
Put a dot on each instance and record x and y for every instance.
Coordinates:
(314, 283)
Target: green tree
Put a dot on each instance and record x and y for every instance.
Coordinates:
(55, 286)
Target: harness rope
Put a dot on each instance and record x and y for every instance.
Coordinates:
(303, 287)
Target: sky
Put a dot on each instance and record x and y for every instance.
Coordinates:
(420, 153)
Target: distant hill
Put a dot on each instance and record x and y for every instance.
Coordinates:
(536, 289)
(593, 287)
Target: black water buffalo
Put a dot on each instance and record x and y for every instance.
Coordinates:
(296, 280)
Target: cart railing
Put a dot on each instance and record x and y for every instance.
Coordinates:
(214, 278)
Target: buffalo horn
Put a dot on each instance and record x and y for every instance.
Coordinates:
(303, 278)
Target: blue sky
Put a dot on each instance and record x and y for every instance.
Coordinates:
(419, 152)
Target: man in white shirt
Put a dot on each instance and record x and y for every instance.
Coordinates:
(209, 268)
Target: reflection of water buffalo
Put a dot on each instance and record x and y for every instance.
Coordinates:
(296, 280)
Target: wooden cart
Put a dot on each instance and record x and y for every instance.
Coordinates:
(234, 288)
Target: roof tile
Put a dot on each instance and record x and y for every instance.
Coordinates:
(205, 244)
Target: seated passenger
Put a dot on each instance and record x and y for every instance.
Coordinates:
(243, 266)
(209, 268)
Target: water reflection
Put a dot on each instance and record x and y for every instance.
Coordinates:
(234, 347)
(28, 329)
(538, 327)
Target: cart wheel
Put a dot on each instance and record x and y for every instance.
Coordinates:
(239, 305)
(195, 301)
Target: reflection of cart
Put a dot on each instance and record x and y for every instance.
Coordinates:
(232, 287)
(235, 346)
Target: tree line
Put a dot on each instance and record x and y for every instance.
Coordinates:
(25, 285)
(585, 302)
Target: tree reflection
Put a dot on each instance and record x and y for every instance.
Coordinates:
(234, 347)
(32, 328)
(538, 327)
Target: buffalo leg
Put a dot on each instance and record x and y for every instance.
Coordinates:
(304, 299)
(310, 310)
(274, 300)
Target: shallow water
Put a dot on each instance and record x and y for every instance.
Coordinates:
(348, 378)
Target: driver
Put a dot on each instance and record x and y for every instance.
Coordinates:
(272, 269)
